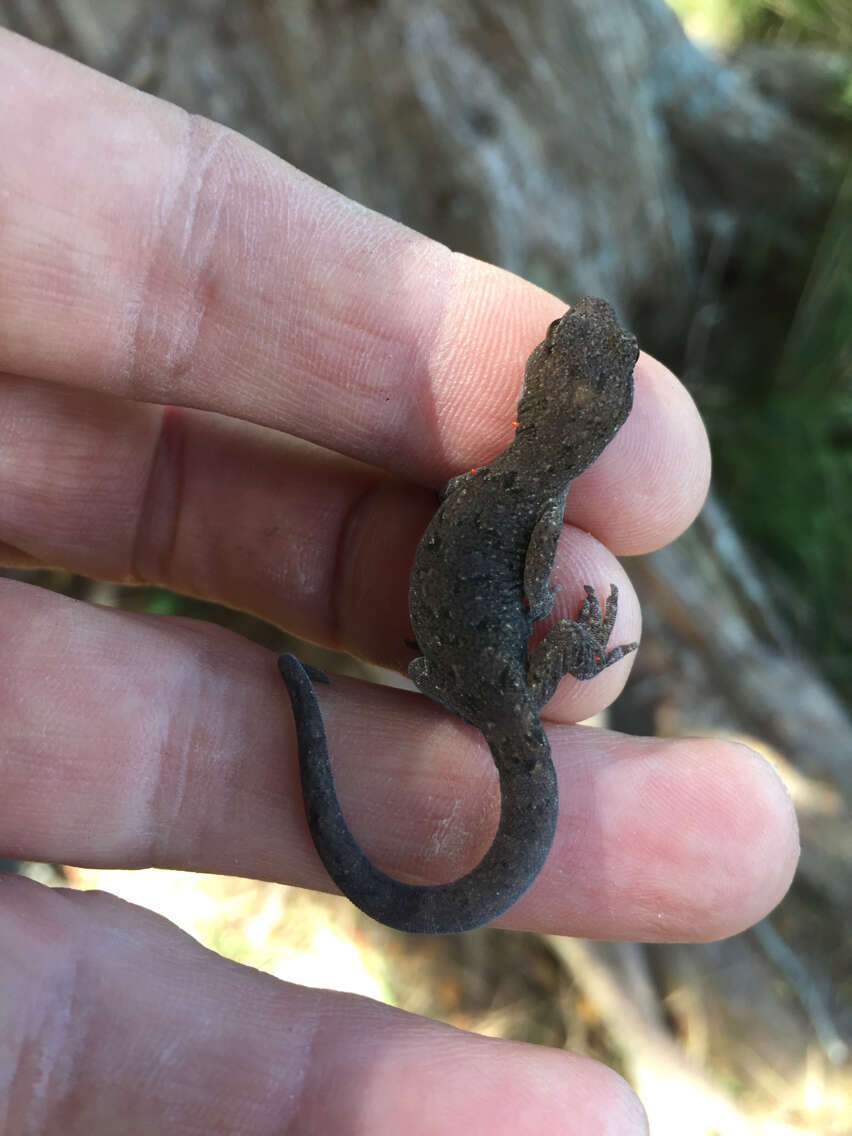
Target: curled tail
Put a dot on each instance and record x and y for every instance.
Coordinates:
(529, 808)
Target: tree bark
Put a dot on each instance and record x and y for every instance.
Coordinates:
(589, 147)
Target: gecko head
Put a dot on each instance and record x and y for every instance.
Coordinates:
(578, 383)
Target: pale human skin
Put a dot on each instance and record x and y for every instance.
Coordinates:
(149, 258)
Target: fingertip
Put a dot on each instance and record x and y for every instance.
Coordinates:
(507, 1087)
(771, 846)
(731, 836)
(662, 840)
(651, 481)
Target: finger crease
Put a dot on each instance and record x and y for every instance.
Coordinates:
(343, 560)
(178, 282)
(161, 505)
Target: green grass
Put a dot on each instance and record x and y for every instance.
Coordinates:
(786, 469)
(784, 454)
(727, 22)
(783, 447)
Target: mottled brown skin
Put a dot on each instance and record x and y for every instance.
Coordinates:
(479, 581)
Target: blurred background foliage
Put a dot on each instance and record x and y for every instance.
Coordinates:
(783, 454)
(728, 23)
(797, 510)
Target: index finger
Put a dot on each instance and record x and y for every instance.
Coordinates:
(161, 257)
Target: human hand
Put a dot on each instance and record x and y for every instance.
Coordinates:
(179, 312)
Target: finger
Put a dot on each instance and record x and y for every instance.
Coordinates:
(131, 740)
(116, 1021)
(651, 480)
(235, 513)
(207, 273)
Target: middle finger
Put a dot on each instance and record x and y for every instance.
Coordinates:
(130, 740)
(236, 513)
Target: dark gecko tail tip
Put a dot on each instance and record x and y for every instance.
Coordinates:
(285, 663)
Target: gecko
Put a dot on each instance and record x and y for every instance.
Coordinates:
(479, 580)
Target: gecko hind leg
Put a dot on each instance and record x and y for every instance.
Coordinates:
(427, 680)
(576, 646)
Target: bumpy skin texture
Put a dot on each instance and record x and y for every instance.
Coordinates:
(479, 580)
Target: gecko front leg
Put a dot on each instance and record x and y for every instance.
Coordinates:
(541, 552)
(577, 647)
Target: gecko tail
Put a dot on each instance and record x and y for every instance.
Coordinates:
(529, 810)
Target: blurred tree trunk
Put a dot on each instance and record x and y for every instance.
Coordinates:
(589, 147)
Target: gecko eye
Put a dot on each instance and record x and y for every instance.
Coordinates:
(552, 329)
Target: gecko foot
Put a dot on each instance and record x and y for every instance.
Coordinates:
(577, 647)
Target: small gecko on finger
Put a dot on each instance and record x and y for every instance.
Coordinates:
(478, 582)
